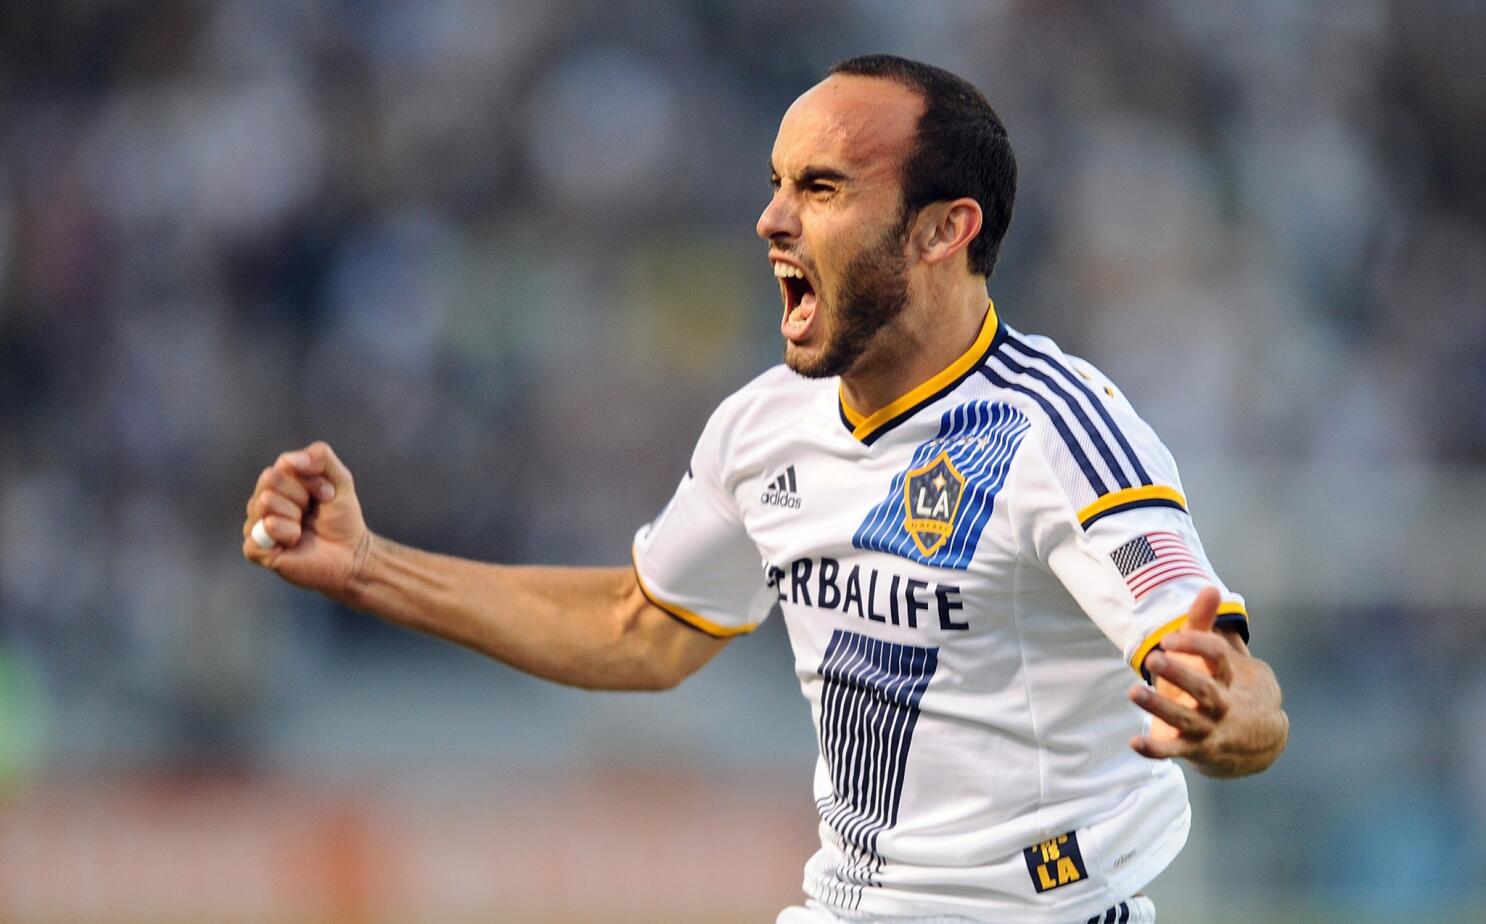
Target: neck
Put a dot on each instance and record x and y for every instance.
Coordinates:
(938, 325)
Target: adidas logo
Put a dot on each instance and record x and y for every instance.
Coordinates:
(782, 491)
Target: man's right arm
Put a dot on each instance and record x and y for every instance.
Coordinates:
(585, 627)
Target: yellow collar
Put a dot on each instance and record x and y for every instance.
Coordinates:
(869, 428)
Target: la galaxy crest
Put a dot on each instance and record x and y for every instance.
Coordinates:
(931, 499)
(937, 507)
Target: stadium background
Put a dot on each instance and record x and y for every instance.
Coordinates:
(501, 255)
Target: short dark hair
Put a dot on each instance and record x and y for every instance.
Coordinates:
(961, 148)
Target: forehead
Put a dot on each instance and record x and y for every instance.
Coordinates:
(849, 122)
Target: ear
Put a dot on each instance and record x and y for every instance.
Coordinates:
(945, 229)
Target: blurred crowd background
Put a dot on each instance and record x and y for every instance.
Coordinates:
(500, 254)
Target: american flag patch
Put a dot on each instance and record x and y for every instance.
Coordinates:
(1149, 561)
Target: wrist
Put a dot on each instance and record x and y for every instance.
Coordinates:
(363, 566)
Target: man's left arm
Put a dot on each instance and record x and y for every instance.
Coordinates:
(1131, 558)
(1218, 706)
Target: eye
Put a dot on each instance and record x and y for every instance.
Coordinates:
(774, 181)
(819, 189)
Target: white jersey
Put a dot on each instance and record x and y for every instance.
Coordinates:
(968, 577)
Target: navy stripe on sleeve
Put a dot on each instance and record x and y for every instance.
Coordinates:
(1100, 444)
(1021, 346)
(1074, 446)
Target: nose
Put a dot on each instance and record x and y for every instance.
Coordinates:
(778, 219)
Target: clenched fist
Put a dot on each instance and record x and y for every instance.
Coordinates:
(307, 504)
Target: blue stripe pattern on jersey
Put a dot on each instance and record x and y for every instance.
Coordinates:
(1074, 446)
(1100, 444)
(1119, 914)
(869, 706)
(1067, 413)
(1015, 342)
(980, 438)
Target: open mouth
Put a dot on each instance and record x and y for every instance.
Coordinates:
(799, 301)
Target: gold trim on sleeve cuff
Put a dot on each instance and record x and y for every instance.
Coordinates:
(700, 623)
(1150, 495)
(1137, 660)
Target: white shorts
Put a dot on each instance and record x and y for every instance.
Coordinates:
(1137, 910)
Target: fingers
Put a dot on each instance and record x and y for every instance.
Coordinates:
(319, 459)
(1203, 613)
(255, 553)
(1188, 723)
(295, 464)
(317, 485)
(282, 500)
(1213, 648)
(1210, 697)
(284, 481)
(302, 493)
(285, 484)
(277, 494)
(1146, 746)
(283, 531)
(271, 502)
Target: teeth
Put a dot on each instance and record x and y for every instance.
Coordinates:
(786, 271)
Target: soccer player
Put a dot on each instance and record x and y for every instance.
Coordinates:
(981, 553)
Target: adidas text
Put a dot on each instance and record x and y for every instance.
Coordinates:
(781, 499)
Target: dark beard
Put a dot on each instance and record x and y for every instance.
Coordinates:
(873, 293)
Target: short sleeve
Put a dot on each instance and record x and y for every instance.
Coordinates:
(695, 560)
(1128, 554)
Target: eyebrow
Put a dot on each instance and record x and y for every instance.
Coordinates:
(813, 173)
